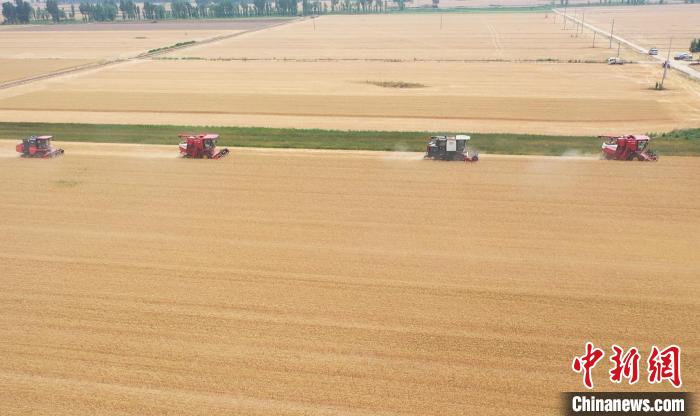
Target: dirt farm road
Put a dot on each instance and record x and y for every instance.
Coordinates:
(334, 283)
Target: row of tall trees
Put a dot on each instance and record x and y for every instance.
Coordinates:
(18, 12)
(109, 10)
(182, 9)
(22, 12)
(129, 10)
(54, 11)
(154, 11)
(695, 45)
(98, 12)
(630, 2)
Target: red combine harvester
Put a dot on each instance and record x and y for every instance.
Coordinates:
(634, 146)
(201, 146)
(38, 147)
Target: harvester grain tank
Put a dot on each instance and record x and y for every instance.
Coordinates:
(450, 148)
(201, 146)
(630, 147)
(38, 147)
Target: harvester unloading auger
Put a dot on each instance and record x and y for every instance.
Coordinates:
(38, 147)
(201, 146)
(631, 147)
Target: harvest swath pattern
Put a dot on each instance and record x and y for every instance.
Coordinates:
(348, 283)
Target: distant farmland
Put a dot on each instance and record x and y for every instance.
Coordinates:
(504, 72)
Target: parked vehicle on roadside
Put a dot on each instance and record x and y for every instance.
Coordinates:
(653, 51)
(683, 56)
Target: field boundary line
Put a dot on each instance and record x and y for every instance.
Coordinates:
(693, 74)
(389, 60)
(211, 40)
(60, 72)
(331, 115)
(146, 55)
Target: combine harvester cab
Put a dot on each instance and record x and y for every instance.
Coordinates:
(631, 147)
(201, 146)
(38, 147)
(450, 148)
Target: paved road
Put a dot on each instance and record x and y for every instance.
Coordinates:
(677, 65)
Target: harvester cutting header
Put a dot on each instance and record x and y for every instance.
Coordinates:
(201, 146)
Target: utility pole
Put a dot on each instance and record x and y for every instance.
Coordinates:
(594, 33)
(565, 6)
(583, 20)
(440, 22)
(618, 49)
(666, 64)
(611, 33)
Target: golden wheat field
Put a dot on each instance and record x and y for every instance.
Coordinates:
(493, 72)
(652, 26)
(91, 45)
(456, 36)
(531, 97)
(334, 283)
(13, 69)
(25, 54)
(29, 50)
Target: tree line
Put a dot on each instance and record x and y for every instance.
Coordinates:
(695, 45)
(18, 12)
(609, 2)
(110, 10)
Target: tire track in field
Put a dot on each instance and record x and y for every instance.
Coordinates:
(495, 39)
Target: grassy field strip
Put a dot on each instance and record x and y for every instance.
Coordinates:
(678, 143)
